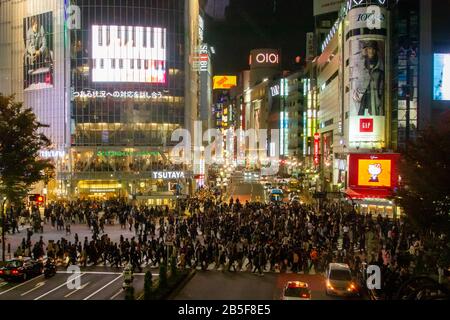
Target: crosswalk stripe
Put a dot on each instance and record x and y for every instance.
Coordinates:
(106, 285)
(60, 286)
(19, 285)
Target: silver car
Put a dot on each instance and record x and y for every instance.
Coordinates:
(339, 280)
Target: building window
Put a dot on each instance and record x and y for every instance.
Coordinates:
(144, 37)
(100, 36)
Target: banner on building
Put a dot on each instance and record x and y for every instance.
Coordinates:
(38, 58)
(367, 60)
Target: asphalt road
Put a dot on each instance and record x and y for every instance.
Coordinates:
(96, 283)
(216, 285)
(251, 191)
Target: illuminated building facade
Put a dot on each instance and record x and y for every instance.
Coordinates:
(117, 78)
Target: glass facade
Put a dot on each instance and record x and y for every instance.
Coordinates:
(406, 55)
(139, 110)
(110, 83)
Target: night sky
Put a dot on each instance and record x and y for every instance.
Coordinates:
(252, 24)
(281, 24)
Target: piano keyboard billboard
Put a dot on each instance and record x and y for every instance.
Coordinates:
(38, 56)
(128, 54)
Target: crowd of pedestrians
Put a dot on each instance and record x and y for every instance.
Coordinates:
(233, 236)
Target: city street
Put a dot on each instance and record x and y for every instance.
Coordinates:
(247, 191)
(216, 285)
(96, 283)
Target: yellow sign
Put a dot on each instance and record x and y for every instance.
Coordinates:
(224, 82)
(374, 173)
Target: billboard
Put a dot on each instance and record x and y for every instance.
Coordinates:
(128, 54)
(224, 82)
(367, 73)
(441, 76)
(327, 6)
(38, 58)
(376, 172)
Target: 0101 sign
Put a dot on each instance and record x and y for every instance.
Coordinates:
(271, 58)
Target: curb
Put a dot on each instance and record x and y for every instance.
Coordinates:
(183, 283)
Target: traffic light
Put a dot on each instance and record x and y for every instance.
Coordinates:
(39, 199)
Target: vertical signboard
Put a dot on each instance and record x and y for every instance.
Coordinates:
(310, 46)
(316, 149)
(366, 41)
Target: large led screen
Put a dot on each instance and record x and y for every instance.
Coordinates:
(128, 54)
(373, 171)
(442, 77)
(38, 56)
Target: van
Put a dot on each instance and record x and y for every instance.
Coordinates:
(339, 280)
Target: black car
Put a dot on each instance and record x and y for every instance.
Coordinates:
(21, 269)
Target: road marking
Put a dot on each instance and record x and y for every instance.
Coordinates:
(64, 284)
(114, 296)
(107, 273)
(19, 285)
(109, 283)
(3, 284)
(73, 291)
(37, 286)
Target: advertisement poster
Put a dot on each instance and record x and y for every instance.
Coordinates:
(367, 59)
(38, 57)
(224, 82)
(373, 172)
(128, 54)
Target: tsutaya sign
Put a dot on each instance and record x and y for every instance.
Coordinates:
(168, 175)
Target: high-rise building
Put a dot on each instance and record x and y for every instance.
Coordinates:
(113, 80)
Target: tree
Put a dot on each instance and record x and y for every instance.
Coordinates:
(148, 286)
(423, 192)
(20, 143)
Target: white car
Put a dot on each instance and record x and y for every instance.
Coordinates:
(296, 290)
(339, 280)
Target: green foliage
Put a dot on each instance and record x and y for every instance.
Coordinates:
(173, 266)
(423, 193)
(163, 275)
(148, 286)
(129, 294)
(20, 143)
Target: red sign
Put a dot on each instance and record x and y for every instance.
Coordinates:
(366, 125)
(373, 175)
(316, 149)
